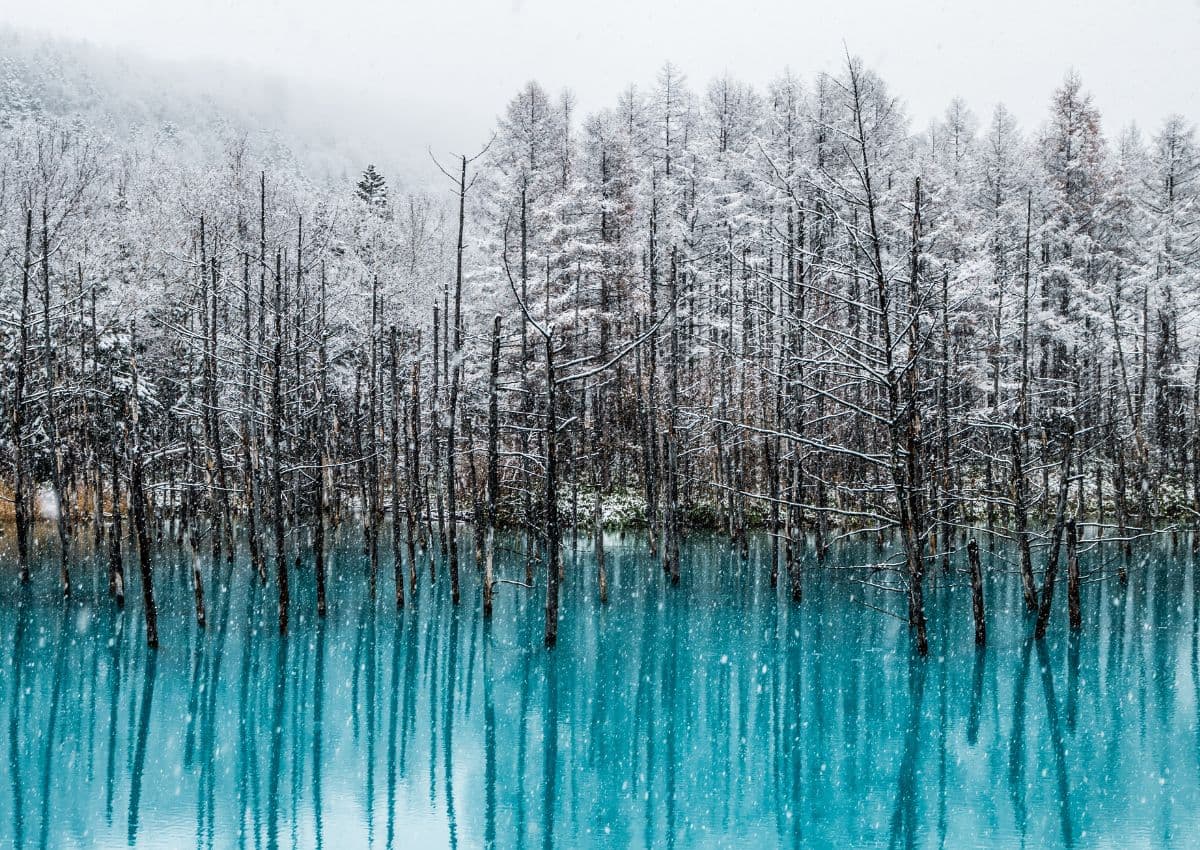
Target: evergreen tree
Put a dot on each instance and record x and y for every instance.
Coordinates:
(372, 189)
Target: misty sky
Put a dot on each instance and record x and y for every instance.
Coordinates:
(443, 70)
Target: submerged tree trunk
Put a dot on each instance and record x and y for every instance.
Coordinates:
(371, 483)
(1019, 432)
(320, 497)
(455, 378)
(599, 482)
(1064, 482)
(552, 530)
(1021, 518)
(1073, 608)
(20, 496)
(138, 498)
(248, 432)
(116, 567)
(493, 469)
(977, 593)
(415, 496)
(394, 464)
(435, 436)
(197, 579)
(281, 573)
(671, 524)
(60, 500)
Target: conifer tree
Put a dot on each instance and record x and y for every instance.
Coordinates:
(372, 189)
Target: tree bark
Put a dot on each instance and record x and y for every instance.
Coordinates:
(60, 501)
(20, 496)
(552, 530)
(281, 567)
(493, 468)
(1064, 482)
(977, 593)
(1073, 607)
(394, 463)
(138, 498)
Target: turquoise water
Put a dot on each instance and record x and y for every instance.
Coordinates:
(709, 715)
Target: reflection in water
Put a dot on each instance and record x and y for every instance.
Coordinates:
(904, 819)
(318, 731)
(16, 674)
(145, 707)
(710, 715)
(1056, 740)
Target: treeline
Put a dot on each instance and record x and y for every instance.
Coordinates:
(783, 310)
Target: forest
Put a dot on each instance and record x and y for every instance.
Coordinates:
(781, 310)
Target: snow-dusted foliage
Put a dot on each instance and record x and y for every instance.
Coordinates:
(784, 305)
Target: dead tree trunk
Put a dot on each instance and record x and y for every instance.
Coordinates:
(417, 493)
(1018, 434)
(281, 573)
(435, 436)
(551, 508)
(60, 500)
(1073, 608)
(222, 512)
(1064, 483)
(248, 430)
(671, 524)
(1021, 518)
(600, 482)
(394, 464)
(493, 468)
(977, 592)
(138, 498)
(20, 496)
(454, 378)
(321, 494)
(650, 449)
(116, 568)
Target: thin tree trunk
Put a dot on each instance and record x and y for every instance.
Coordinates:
(249, 432)
(977, 592)
(552, 530)
(1019, 432)
(417, 493)
(281, 573)
(1076, 618)
(1064, 483)
(116, 568)
(671, 522)
(138, 498)
(394, 463)
(60, 500)
(454, 378)
(493, 468)
(320, 505)
(20, 497)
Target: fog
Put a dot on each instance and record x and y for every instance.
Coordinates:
(392, 82)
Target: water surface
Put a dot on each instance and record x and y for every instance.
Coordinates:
(710, 715)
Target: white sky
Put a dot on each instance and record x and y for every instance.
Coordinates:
(443, 71)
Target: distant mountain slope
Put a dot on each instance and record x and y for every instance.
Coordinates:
(329, 135)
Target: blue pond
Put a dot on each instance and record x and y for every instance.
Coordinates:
(714, 714)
